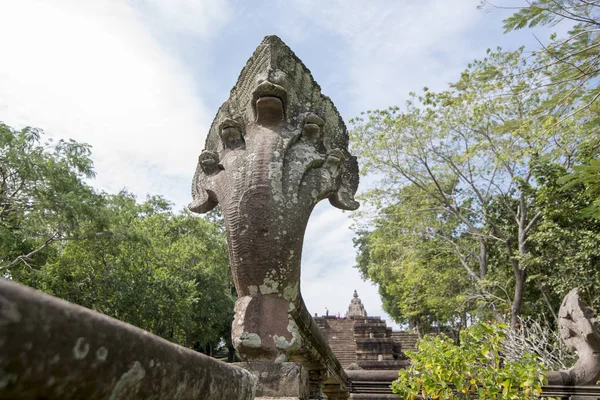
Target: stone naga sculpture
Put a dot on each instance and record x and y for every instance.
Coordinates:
(275, 149)
(579, 331)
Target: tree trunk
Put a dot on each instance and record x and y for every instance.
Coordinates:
(231, 354)
(547, 301)
(519, 285)
(518, 268)
(518, 297)
(482, 259)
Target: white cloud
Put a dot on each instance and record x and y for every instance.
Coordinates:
(92, 71)
(395, 47)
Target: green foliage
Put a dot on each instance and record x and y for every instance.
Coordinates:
(142, 263)
(43, 198)
(538, 13)
(419, 276)
(469, 152)
(573, 60)
(575, 64)
(564, 246)
(588, 176)
(467, 161)
(163, 272)
(474, 368)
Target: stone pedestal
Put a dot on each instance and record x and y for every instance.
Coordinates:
(280, 381)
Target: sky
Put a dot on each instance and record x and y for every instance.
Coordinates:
(141, 80)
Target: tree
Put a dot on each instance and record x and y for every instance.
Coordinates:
(574, 59)
(575, 64)
(564, 246)
(163, 272)
(43, 199)
(470, 150)
(418, 274)
(588, 176)
(142, 263)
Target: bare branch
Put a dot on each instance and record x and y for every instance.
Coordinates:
(534, 337)
(26, 257)
(531, 223)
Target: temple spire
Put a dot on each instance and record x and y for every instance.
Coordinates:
(356, 309)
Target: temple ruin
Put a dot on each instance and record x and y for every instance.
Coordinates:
(363, 342)
(276, 148)
(370, 352)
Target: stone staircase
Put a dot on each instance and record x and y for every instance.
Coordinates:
(340, 337)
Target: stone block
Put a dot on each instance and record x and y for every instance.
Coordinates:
(279, 381)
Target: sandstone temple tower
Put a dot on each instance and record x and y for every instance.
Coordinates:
(356, 308)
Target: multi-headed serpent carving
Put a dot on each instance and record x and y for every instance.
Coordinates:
(580, 332)
(275, 149)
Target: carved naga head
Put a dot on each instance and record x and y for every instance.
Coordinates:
(276, 91)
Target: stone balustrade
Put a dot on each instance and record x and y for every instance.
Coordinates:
(54, 350)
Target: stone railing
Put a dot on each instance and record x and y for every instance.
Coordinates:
(314, 373)
(54, 350)
(370, 385)
(591, 392)
(328, 376)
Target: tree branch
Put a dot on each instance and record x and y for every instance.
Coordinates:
(24, 258)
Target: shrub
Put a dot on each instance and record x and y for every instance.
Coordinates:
(475, 368)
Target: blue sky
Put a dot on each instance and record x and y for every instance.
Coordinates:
(140, 80)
